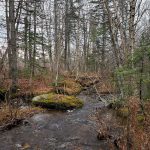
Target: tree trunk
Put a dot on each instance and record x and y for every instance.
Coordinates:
(34, 46)
(56, 29)
(30, 46)
(132, 27)
(12, 46)
(42, 44)
(103, 43)
(26, 42)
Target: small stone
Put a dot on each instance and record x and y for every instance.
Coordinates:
(18, 145)
(70, 111)
(63, 146)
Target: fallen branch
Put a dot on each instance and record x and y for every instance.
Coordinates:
(11, 125)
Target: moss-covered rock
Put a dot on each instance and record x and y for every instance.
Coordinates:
(57, 101)
(68, 87)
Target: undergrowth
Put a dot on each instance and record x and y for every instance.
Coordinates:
(8, 113)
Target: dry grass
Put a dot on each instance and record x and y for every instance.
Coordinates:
(8, 114)
(137, 130)
(135, 125)
(106, 87)
(69, 87)
(25, 87)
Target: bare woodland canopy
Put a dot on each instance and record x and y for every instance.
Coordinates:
(74, 35)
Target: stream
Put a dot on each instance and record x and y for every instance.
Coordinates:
(71, 130)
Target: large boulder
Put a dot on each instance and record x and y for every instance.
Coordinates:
(57, 101)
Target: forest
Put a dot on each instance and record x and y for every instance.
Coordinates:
(74, 74)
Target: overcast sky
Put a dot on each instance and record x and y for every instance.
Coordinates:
(2, 20)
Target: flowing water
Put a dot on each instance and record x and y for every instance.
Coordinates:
(72, 130)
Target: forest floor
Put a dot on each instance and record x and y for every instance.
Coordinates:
(71, 130)
(92, 127)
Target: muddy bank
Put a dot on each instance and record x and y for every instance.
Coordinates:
(54, 130)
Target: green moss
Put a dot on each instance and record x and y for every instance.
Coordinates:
(140, 118)
(57, 101)
(3, 90)
(2, 94)
(123, 112)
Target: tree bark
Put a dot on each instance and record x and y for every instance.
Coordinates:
(12, 46)
(34, 46)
